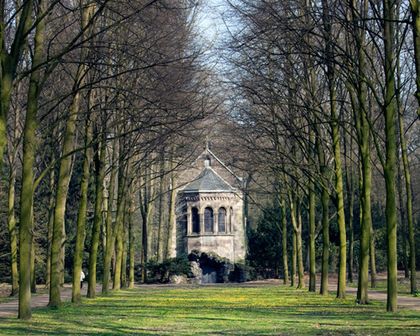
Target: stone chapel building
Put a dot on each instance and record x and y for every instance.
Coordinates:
(209, 210)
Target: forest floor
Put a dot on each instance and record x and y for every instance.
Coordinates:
(254, 308)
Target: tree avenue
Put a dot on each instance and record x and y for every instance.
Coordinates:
(312, 105)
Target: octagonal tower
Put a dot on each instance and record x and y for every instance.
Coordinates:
(209, 211)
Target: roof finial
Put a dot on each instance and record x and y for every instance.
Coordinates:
(207, 157)
(207, 143)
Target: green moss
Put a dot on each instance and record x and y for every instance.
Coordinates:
(216, 310)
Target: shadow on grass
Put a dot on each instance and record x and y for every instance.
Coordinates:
(215, 311)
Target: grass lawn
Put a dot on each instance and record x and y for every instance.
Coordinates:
(216, 310)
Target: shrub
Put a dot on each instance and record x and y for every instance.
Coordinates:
(241, 273)
(161, 272)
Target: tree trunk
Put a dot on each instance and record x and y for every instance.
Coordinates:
(9, 63)
(403, 229)
(415, 14)
(119, 225)
(97, 218)
(63, 181)
(312, 252)
(143, 252)
(325, 241)
(407, 178)
(363, 136)
(297, 234)
(391, 150)
(26, 223)
(324, 221)
(50, 222)
(350, 211)
(33, 275)
(365, 218)
(11, 224)
(351, 240)
(110, 232)
(283, 220)
(124, 254)
(65, 170)
(372, 258)
(81, 217)
(116, 285)
(171, 217)
(335, 131)
(146, 207)
(299, 247)
(294, 257)
(131, 240)
(341, 286)
(162, 194)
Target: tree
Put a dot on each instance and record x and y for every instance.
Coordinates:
(389, 111)
(27, 191)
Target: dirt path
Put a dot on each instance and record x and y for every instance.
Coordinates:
(406, 302)
(10, 309)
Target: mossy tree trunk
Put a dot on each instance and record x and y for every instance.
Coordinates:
(294, 259)
(325, 222)
(65, 169)
(131, 240)
(350, 204)
(297, 233)
(365, 204)
(389, 15)
(171, 217)
(11, 217)
(335, 132)
(119, 224)
(26, 224)
(124, 249)
(283, 220)
(372, 258)
(359, 101)
(403, 232)
(312, 252)
(81, 215)
(146, 210)
(415, 14)
(97, 217)
(409, 225)
(9, 60)
(161, 209)
(51, 206)
(33, 275)
(110, 232)
(123, 171)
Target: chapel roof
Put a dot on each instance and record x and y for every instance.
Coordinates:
(208, 180)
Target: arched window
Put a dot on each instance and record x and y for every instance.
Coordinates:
(195, 220)
(208, 219)
(222, 220)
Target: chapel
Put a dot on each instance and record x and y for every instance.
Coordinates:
(209, 210)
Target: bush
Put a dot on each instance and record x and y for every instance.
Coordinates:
(161, 272)
(242, 273)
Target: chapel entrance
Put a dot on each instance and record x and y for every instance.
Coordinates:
(209, 275)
